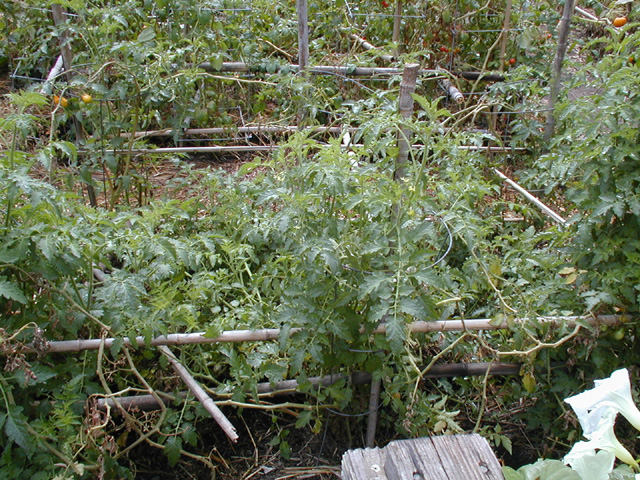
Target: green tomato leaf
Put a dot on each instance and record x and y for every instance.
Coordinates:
(172, 449)
(11, 291)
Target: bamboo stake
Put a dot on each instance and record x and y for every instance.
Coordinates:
(452, 91)
(266, 334)
(239, 67)
(532, 198)
(287, 387)
(405, 107)
(268, 148)
(397, 21)
(369, 46)
(206, 401)
(372, 422)
(67, 59)
(563, 34)
(504, 35)
(257, 129)
(303, 35)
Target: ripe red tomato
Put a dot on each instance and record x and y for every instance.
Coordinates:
(444, 49)
(385, 4)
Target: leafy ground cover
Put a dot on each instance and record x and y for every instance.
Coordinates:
(313, 239)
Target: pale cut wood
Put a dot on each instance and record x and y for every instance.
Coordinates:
(266, 334)
(446, 457)
(364, 464)
(206, 401)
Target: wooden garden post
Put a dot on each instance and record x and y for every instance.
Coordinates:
(405, 106)
(563, 34)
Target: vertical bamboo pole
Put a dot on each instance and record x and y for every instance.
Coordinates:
(374, 404)
(563, 34)
(405, 107)
(67, 60)
(504, 36)
(303, 35)
(303, 48)
(397, 20)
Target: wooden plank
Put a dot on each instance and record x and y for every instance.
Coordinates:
(467, 457)
(447, 457)
(411, 460)
(364, 464)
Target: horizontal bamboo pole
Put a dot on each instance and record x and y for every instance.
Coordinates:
(532, 198)
(266, 334)
(452, 91)
(285, 387)
(268, 148)
(210, 149)
(256, 129)
(239, 67)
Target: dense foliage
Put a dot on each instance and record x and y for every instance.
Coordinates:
(316, 240)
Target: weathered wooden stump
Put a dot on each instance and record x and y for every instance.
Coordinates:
(448, 457)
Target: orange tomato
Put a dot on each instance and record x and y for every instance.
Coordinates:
(60, 101)
(620, 22)
(86, 98)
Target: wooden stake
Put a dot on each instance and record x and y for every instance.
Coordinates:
(405, 107)
(206, 401)
(563, 34)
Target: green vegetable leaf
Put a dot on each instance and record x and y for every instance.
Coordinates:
(11, 291)
(172, 449)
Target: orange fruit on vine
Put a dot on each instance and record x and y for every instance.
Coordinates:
(620, 22)
(86, 98)
(60, 101)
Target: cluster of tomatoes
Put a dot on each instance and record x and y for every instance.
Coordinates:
(64, 102)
